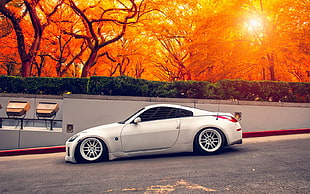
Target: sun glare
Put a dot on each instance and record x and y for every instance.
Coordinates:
(254, 25)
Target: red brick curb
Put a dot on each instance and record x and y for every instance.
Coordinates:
(56, 149)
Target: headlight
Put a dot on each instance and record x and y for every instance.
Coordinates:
(73, 137)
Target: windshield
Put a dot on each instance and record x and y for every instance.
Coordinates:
(122, 122)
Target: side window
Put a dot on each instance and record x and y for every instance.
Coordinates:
(159, 113)
(186, 113)
(148, 114)
(166, 113)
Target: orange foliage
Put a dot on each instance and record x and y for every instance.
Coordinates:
(157, 39)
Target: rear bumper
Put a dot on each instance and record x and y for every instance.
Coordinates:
(237, 142)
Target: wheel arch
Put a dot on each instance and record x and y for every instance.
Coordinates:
(104, 142)
(208, 127)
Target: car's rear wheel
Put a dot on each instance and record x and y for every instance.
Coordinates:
(209, 140)
(91, 150)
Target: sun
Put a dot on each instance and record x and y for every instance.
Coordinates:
(254, 25)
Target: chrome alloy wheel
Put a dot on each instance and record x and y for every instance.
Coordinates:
(91, 149)
(210, 140)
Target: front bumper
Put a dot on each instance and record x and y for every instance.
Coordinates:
(70, 147)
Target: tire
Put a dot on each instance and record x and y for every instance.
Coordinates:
(91, 150)
(209, 140)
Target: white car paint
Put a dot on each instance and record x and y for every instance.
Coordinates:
(158, 136)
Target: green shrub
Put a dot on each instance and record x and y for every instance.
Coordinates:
(236, 89)
(55, 86)
(299, 91)
(11, 84)
(193, 89)
(42, 85)
(74, 85)
(273, 91)
(100, 85)
(160, 89)
(128, 86)
(121, 85)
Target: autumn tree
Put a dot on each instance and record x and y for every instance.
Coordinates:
(210, 42)
(35, 11)
(170, 31)
(62, 49)
(9, 64)
(128, 56)
(107, 26)
(294, 27)
(156, 39)
(272, 27)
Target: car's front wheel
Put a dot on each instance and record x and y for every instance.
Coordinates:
(209, 140)
(91, 150)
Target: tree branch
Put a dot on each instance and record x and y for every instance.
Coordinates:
(86, 21)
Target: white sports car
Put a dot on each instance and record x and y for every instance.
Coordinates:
(156, 129)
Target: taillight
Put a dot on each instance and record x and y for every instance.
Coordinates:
(230, 118)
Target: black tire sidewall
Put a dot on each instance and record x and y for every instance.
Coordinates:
(199, 150)
(80, 159)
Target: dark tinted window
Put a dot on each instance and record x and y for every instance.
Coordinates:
(159, 113)
(185, 113)
(148, 115)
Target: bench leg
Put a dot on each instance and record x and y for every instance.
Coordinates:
(51, 125)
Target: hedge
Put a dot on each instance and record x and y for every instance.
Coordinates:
(127, 86)
(43, 85)
(264, 90)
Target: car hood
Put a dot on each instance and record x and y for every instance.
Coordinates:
(102, 128)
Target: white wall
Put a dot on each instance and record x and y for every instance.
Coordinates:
(87, 111)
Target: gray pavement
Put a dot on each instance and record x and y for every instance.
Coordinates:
(278, 164)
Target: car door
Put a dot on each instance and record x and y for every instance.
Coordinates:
(158, 129)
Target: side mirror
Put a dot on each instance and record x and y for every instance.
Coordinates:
(137, 120)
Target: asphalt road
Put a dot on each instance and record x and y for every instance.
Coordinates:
(261, 165)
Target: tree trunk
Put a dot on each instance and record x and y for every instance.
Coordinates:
(272, 73)
(26, 68)
(271, 62)
(264, 73)
(90, 62)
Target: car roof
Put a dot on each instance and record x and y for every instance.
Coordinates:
(166, 105)
(195, 110)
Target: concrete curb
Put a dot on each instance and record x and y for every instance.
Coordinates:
(56, 149)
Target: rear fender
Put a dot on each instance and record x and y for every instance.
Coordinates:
(211, 127)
